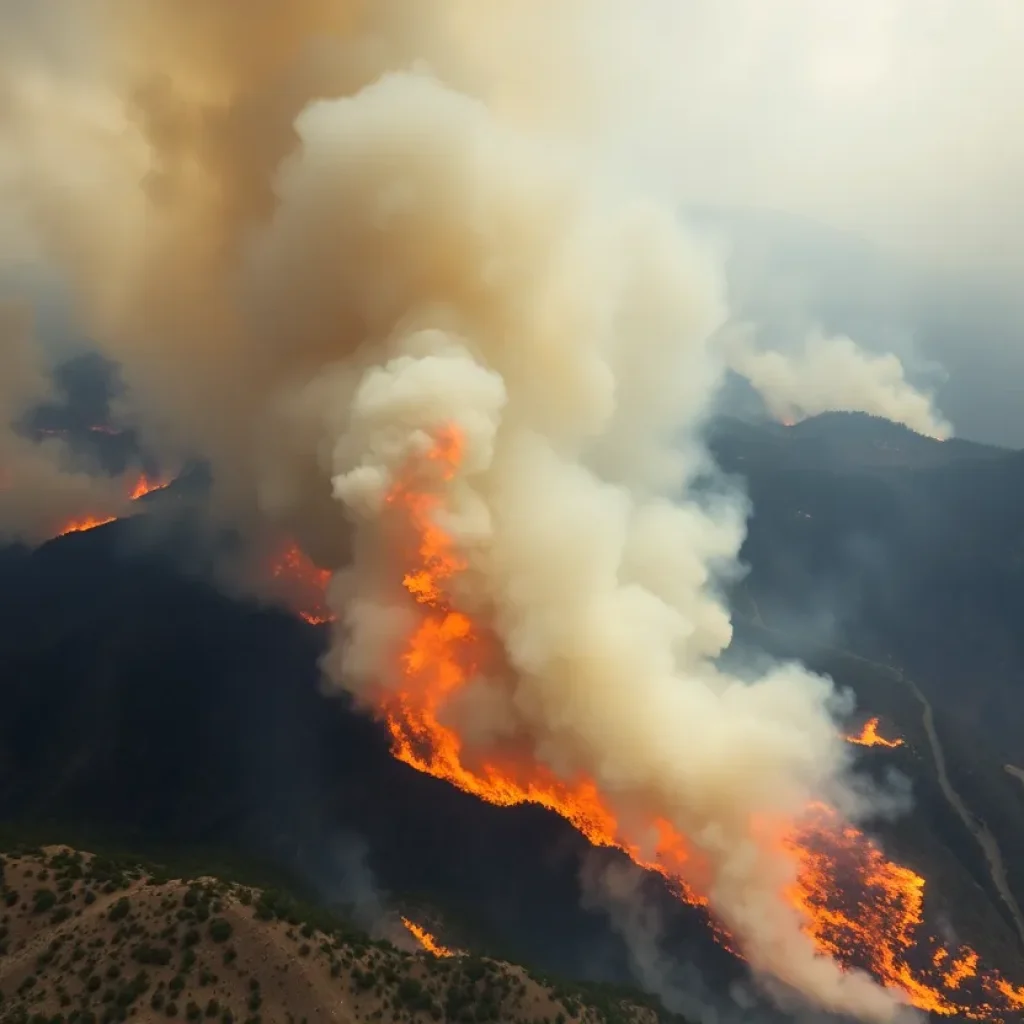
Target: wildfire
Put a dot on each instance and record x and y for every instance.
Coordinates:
(146, 486)
(427, 941)
(857, 907)
(88, 523)
(306, 584)
(870, 737)
(143, 486)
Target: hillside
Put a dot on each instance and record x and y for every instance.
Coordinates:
(86, 939)
(143, 707)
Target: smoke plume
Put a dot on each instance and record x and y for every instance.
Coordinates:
(40, 489)
(835, 374)
(348, 250)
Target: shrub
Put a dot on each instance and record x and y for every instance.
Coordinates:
(220, 929)
(144, 953)
(120, 910)
(43, 900)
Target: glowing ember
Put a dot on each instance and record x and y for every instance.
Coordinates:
(427, 941)
(869, 737)
(306, 584)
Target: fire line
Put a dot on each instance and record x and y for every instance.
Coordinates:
(859, 908)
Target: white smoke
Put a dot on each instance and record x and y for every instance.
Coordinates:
(835, 374)
(316, 236)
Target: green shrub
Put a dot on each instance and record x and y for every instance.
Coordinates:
(43, 900)
(144, 953)
(220, 929)
(120, 910)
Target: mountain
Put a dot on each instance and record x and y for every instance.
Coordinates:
(143, 708)
(875, 551)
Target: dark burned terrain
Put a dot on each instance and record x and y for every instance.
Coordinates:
(142, 708)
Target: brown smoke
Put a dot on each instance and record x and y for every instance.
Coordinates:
(316, 234)
(40, 490)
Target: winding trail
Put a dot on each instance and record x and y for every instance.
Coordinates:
(977, 828)
(981, 832)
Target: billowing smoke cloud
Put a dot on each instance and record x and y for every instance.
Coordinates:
(40, 489)
(834, 373)
(323, 238)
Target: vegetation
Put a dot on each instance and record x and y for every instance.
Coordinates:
(154, 940)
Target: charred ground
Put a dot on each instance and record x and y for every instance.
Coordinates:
(142, 707)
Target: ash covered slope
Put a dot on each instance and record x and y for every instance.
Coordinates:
(152, 706)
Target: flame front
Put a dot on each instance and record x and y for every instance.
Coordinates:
(84, 524)
(143, 486)
(857, 907)
(870, 737)
(427, 941)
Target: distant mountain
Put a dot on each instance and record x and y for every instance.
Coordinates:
(787, 272)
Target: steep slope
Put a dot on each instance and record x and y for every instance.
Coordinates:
(85, 939)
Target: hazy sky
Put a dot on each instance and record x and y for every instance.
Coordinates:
(901, 121)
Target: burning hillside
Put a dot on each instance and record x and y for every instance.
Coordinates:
(857, 907)
(143, 486)
(386, 284)
(427, 941)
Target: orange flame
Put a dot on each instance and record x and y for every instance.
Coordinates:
(427, 941)
(88, 523)
(143, 486)
(147, 486)
(307, 584)
(869, 737)
(857, 907)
